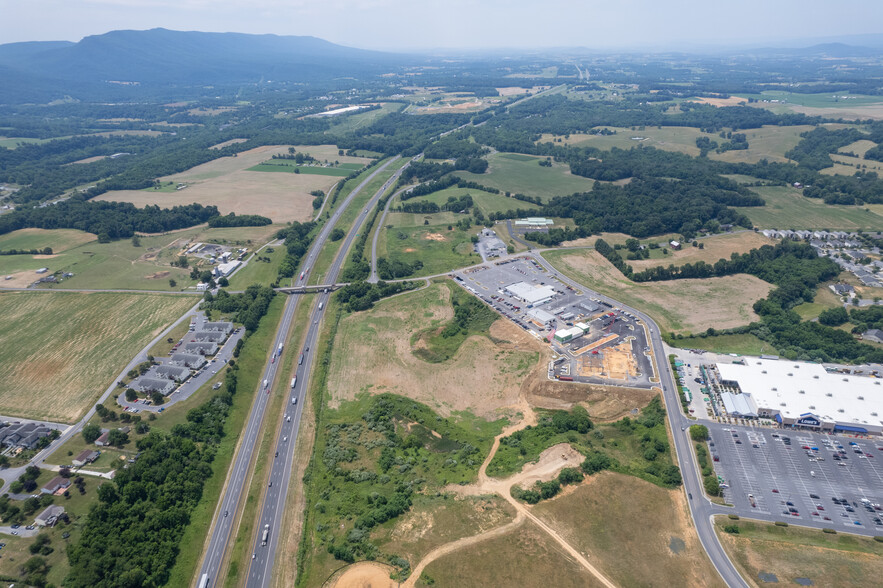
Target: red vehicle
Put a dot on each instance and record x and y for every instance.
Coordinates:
(565, 378)
(775, 490)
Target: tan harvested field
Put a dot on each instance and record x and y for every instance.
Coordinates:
(731, 101)
(227, 184)
(373, 353)
(523, 556)
(132, 132)
(860, 147)
(60, 350)
(867, 111)
(88, 159)
(226, 143)
(714, 248)
(790, 553)
(636, 533)
(683, 306)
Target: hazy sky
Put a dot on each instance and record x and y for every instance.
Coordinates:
(427, 24)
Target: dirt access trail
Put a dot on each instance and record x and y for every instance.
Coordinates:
(551, 461)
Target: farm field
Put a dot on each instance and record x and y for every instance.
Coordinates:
(847, 165)
(13, 142)
(792, 553)
(485, 201)
(228, 184)
(713, 248)
(768, 142)
(599, 517)
(683, 306)
(518, 173)
(61, 350)
(58, 239)
(859, 148)
(283, 166)
(259, 272)
(523, 556)
(787, 208)
(353, 122)
(374, 353)
(439, 249)
(826, 104)
(680, 139)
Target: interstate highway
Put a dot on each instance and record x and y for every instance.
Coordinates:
(261, 566)
(238, 477)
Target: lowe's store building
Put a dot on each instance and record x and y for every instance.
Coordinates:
(803, 395)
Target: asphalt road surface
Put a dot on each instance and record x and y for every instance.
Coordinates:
(263, 555)
(238, 479)
(701, 508)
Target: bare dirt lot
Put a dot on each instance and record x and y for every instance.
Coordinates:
(373, 353)
(685, 306)
(227, 184)
(364, 574)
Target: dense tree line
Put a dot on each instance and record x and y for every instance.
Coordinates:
(395, 269)
(44, 251)
(108, 220)
(298, 237)
(243, 220)
(250, 306)
(131, 536)
(613, 256)
(816, 145)
(453, 204)
(362, 295)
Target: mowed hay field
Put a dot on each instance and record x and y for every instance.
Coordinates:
(522, 174)
(768, 142)
(227, 184)
(59, 351)
(793, 552)
(636, 533)
(58, 239)
(788, 208)
(683, 306)
(713, 248)
(373, 353)
(439, 249)
(680, 139)
(524, 556)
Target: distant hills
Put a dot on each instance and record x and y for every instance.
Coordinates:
(163, 58)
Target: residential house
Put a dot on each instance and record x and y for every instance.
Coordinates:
(875, 335)
(189, 360)
(50, 516)
(55, 484)
(85, 457)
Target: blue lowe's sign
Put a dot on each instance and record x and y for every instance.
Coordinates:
(809, 421)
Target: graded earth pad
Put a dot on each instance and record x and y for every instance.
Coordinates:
(227, 184)
(374, 352)
(364, 574)
(628, 527)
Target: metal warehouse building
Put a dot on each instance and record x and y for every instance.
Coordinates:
(804, 395)
(531, 295)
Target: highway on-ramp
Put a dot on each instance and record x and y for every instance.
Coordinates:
(700, 507)
(238, 476)
(260, 570)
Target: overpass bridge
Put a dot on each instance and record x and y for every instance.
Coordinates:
(315, 289)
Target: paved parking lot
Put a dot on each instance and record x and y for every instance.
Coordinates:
(614, 350)
(794, 476)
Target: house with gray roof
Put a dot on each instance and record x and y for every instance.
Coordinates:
(149, 385)
(210, 336)
(85, 457)
(50, 516)
(203, 348)
(172, 372)
(25, 435)
(188, 360)
(875, 335)
(222, 327)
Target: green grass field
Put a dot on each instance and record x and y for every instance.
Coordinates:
(59, 239)
(60, 350)
(787, 208)
(680, 139)
(439, 249)
(301, 169)
(352, 122)
(769, 142)
(485, 201)
(792, 553)
(820, 100)
(13, 142)
(259, 272)
(528, 177)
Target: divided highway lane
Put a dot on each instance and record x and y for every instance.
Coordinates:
(701, 508)
(260, 571)
(237, 477)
